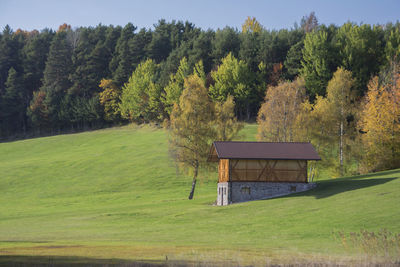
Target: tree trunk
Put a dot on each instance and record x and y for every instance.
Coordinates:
(341, 148)
(248, 111)
(196, 168)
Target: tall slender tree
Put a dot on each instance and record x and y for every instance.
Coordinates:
(191, 130)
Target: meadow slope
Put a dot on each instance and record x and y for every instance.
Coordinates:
(115, 193)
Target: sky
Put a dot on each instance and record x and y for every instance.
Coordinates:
(213, 14)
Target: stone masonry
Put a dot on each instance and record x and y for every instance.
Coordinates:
(234, 192)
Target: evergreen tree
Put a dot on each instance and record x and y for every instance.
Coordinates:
(56, 77)
(9, 55)
(35, 54)
(361, 51)
(249, 49)
(202, 49)
(138, 46)
(122, 63)
(13, 105)
(293, 60)
(226, 42)
(160, 45)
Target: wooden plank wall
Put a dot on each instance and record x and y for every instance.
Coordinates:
(268, 170)
(223, 170)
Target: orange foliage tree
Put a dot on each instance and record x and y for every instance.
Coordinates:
(380, 125)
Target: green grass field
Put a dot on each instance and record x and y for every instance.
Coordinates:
(115, 193)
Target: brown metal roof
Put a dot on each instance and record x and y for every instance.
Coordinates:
(263, 150)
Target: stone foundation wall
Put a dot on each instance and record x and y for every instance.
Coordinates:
(246, 191)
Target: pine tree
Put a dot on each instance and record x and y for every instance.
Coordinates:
(9, 55)
(13, 106)
(122, 63)
(35, 54)
(56, 77)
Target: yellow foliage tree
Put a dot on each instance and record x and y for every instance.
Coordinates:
(278, 113)
(338, 108)
(110, 99)
(251, 25)
(380, 124)
(191, 129)
(226, 124)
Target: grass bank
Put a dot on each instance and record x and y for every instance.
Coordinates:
(115, 193)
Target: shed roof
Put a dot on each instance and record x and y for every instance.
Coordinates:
(262, 150)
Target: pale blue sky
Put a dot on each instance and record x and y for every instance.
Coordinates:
(39, 14)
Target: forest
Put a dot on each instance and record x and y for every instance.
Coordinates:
(335, 86)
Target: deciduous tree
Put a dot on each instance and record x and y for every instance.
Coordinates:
(226, 125)
(316, 63)
(140, 99)
(380, 124)
(174, 89)
(110, 100)
(251, 25)
(278, 113)
(191, 130)
(233, 78)
(340, 112)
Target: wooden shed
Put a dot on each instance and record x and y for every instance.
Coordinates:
(257, 170)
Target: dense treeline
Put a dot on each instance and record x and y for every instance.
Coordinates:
(89, 77)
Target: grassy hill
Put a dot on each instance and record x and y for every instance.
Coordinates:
(116, 194)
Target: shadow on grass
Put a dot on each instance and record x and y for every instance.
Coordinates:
(58, 261)
(330, 188)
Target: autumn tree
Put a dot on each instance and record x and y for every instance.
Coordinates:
(340, 112)
(309, 23)
(140, 98)
(110, 100)
(191, 129)
(226, 125)
(251, 25)
(38, 112)
(278, 113)
(380, 125)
